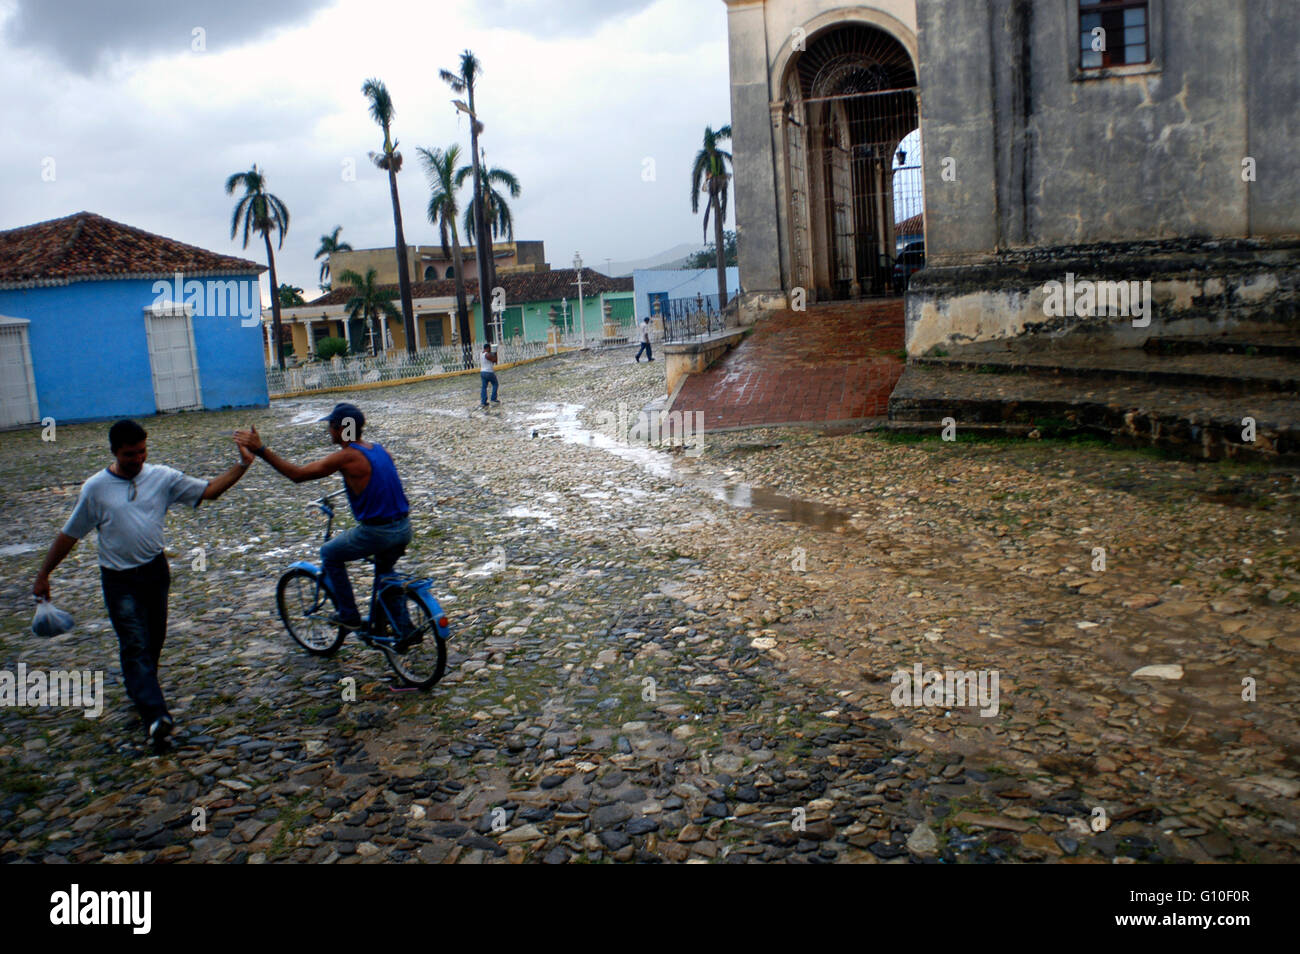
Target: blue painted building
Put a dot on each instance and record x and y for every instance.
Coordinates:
(670, 284)
(101, 320)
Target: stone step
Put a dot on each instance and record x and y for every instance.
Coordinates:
(1200, 424)
(1278, 345)
(1237, 372)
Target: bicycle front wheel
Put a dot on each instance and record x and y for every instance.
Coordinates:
(305, 607)
(420, 657)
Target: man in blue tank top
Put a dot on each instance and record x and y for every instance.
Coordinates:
(375, 493)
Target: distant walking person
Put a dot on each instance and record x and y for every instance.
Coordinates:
(645, 341)
(126, 503)
(487, 375)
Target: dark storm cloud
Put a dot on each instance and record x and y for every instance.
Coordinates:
(555, 17)
(82, 34)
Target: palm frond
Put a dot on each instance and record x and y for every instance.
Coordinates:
(505, 178)
(381, 103)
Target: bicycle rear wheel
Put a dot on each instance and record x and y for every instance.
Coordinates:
(420, 656)
(305, 607)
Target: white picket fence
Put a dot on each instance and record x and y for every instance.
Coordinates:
(343, 372)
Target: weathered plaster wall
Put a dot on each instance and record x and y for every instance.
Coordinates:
(1197, 288)
(762, 35)
(1048, 155)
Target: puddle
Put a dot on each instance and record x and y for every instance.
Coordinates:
(17, 549)
(794, 509)
(546, 518)
(561, 420)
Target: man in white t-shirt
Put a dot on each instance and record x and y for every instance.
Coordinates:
(487, 375)
(126, 503)
(645, 342)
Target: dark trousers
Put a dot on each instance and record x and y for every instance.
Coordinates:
(137, 605)
(386, 544)
(645, 348)
(486, 378)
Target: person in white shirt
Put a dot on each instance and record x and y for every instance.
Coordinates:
(125, 503)
(487, 375)
(645, 341)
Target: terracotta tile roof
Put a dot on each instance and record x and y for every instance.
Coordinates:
(86, 246)
(523, 287)
(911, 226)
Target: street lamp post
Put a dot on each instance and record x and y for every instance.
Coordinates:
(582, 314)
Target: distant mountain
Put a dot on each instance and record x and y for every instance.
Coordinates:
(674, 257)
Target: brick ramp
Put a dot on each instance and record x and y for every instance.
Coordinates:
(831, 363)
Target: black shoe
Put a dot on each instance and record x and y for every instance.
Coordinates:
(337, 620)
(495, 401)
(159, 729)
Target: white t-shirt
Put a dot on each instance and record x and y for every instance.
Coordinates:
(645, 331)
(130, 525)
(486, 363)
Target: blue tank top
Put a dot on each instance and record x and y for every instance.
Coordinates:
(383, 498)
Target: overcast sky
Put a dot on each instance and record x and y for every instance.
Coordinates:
(111, 100)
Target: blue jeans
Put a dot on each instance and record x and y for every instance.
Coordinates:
(484, 378)
(137, 605)
(645, 348)
(386, 544)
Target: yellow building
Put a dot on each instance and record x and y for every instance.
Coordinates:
(428, 262)
(307, 325)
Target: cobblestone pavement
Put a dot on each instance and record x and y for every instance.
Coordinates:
(682, 658)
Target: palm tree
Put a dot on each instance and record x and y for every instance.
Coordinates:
(291, 295)
(263, 213)
(329, 244)
(443, 209)
(368, 302)
(390, 160)
(500, 220)
(710, 174)
(463, 82)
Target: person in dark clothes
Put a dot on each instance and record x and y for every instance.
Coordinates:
(375, 493)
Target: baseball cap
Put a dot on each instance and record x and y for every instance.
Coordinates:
(342, 412)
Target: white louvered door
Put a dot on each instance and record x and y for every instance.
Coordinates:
(17, 382)
(173, 361)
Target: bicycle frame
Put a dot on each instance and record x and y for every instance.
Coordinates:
(422, 589)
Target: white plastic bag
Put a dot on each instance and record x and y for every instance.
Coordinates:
(50, 620)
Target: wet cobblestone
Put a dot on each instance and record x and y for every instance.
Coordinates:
(666, 657)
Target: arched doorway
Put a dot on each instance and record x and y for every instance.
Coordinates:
(850, 100)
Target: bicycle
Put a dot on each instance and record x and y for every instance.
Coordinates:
(406, 622)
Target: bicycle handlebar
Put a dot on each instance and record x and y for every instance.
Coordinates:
(322, 503)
